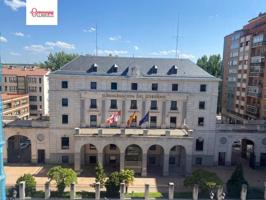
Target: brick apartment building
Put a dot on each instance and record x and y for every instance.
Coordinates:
(244, 81)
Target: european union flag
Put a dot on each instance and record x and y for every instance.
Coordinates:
(144, 119)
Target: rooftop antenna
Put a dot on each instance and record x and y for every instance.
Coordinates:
(177, 39)
(96, 40)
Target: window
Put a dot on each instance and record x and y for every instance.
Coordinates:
(201, 121)
(153, 121)
(93, 103)
(173, 105)
(64, 142)
(33, 107)
(33, 98)
(65, 159)
(64, 119)
(113, 104)
(199, 144)
(64, 84)
(40, 80)
(5, 79)
(172, 160)
(113, 86)
(172, 122)
(40, 106)
(174, 87)
(153, 148)
(65, 102)
(133, 104)
(202, 105)
(198, 161)
(93, 120)
(40, 98)
(93, 85)
(40, 89)
(203, 87)
(134, 86)
(112, 147)
(154, 86)
(152, 160)
(32, 89)
(153, 105)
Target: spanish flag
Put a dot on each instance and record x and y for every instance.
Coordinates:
(132, 118)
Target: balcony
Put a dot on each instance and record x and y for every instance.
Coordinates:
(254, 91)
(256, 71)
(257, 44)
(251, 109)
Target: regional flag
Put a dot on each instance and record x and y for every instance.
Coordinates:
(113, 118)
(144, 119)
(132, 118)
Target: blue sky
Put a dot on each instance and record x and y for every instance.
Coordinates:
(144, 28)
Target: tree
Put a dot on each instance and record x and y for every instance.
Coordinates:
(127, 176)
(112, 184)
(62, 176)
(57, 60)
(234, 184)
(205, 179)
(30, 184)
(100, 174)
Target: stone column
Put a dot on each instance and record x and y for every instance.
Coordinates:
(100, 157)
(171, 191)
(243, 195)
(220, 193)
(97, 191)
(22, 194)
(122, 160)
(72, 191)
(82, 112)
(123, 118)
(77, 162)
(122, 191)
(166, 164)
(144, 165)
(188, 164)
(264, 190)
(103, 118)
(163, 118)
(47, 190)
(146, 192)
(195, 192)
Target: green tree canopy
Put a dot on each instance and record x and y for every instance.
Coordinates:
(205, 179)
(62, 176)
(211, 64)
(30, 184)
(57, 60)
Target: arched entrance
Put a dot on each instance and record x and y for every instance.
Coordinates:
(18, 149)
(88, 155)
(177, 160)
(133, 158)
(155, 160)
(111, 158)
(243, 152)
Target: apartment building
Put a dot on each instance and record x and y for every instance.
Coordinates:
(28, 80)
(244, 74)
(15, 106)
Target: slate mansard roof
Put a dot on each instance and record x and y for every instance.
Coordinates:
(126, 66)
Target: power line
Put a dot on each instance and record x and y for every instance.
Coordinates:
(177, 38)
(96, 40)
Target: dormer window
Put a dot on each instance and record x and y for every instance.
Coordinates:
(153, 70)
(172, 70)
(113, 69)
(93, 68)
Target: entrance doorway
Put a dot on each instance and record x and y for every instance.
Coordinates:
(41, 156)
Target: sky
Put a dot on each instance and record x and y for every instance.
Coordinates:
(140, 28)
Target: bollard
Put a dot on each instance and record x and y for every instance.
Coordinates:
(220, 193)
(97, 191)
(146, 193)
(22, 190)
(171, 191)
(195, 192)
(47, 190)
(72, 191)
(264, 190)
(243, 195)
(122, 191)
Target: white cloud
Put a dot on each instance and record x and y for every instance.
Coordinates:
(14, 53)
(3, 39)
(15, 4)
(90, 30)
(60, 45)
(115, 38)
(19, 34)
(113, 52)
(136, 47)
(186, 56)
(37, 48)
(164, 53)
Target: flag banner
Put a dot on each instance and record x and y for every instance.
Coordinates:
(132, 118)
(114, 117)
(144, 119)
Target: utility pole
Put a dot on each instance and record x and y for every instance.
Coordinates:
(177, 39)
(96, 40)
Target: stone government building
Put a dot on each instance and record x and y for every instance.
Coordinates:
(180, 97)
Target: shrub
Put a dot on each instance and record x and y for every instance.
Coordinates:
(112, 185)
(100, 174)
(62, 176)
(234, 184)
(30, 184)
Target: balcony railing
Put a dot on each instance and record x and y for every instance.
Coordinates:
(252, 109)
(258, 44)
(254, 91)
